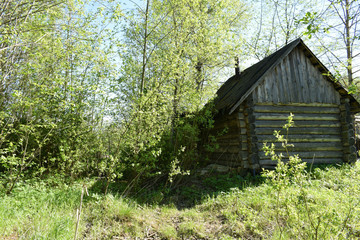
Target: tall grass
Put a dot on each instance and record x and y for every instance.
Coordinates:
(34, 211)
(329, 210)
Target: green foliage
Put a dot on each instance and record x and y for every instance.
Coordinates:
(299, 208)
(52, 101)
(35, 211)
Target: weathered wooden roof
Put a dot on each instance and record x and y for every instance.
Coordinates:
(237, 88)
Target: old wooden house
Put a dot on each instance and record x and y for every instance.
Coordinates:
(254, 103)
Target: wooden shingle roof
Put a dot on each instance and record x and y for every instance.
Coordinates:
(237, 88)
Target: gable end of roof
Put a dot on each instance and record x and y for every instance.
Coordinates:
(237, 88)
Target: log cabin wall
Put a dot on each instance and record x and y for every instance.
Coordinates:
(321, 133)
(348, 131)
(229, 131)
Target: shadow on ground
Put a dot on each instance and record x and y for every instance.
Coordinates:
(184, 192)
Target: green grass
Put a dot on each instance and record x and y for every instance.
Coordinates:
(39, 212)
(224, 207)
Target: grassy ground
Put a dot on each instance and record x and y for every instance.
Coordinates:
(326, 206)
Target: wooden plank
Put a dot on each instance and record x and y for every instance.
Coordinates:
(231, 148)
(242, 123)
(295, 109)
(259, 94)
(230, 135)
(262, 91)
(246, 165)
(298, 117)
(304, 76)
(308, 155)
(312, 81)
(224, 120)
(312, 86)
(268, 87)
(302, 138)
(280, 123)
(275, 88)
(281, 76)
(303, 83)
(278, 86)
(231, 126)
(287, 80)
(269, 167)
(227, 163)
(313, 104)
(295, 78)
(228, 149)
(226, 158)
(241, 108)
(229, 142)
(269, 162)
(308, 147)
(335, 95)
(244, 147)
(300, 130)
(322, 94)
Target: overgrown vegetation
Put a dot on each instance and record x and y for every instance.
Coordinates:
(324, 204)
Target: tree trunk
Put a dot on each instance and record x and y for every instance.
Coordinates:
(142, 84)
(348, 42)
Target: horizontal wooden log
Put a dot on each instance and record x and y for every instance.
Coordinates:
(241, 116)
(242, 123)
(302, 138)
(221, 146)
(268, 167)
(245, 165)
(225, 117)
(308, 155)
(269, 162)
(229, 156)
(281, 123)
(300, 104)
(230, 124)
(228, 138)
(230, 149)
(227, 163)
(231, 135)
(299, 117)
(224, 157)
(232, 139)
(309, 147)
(295, 109)
(299, 130)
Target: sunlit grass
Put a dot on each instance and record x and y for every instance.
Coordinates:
(37, 211)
